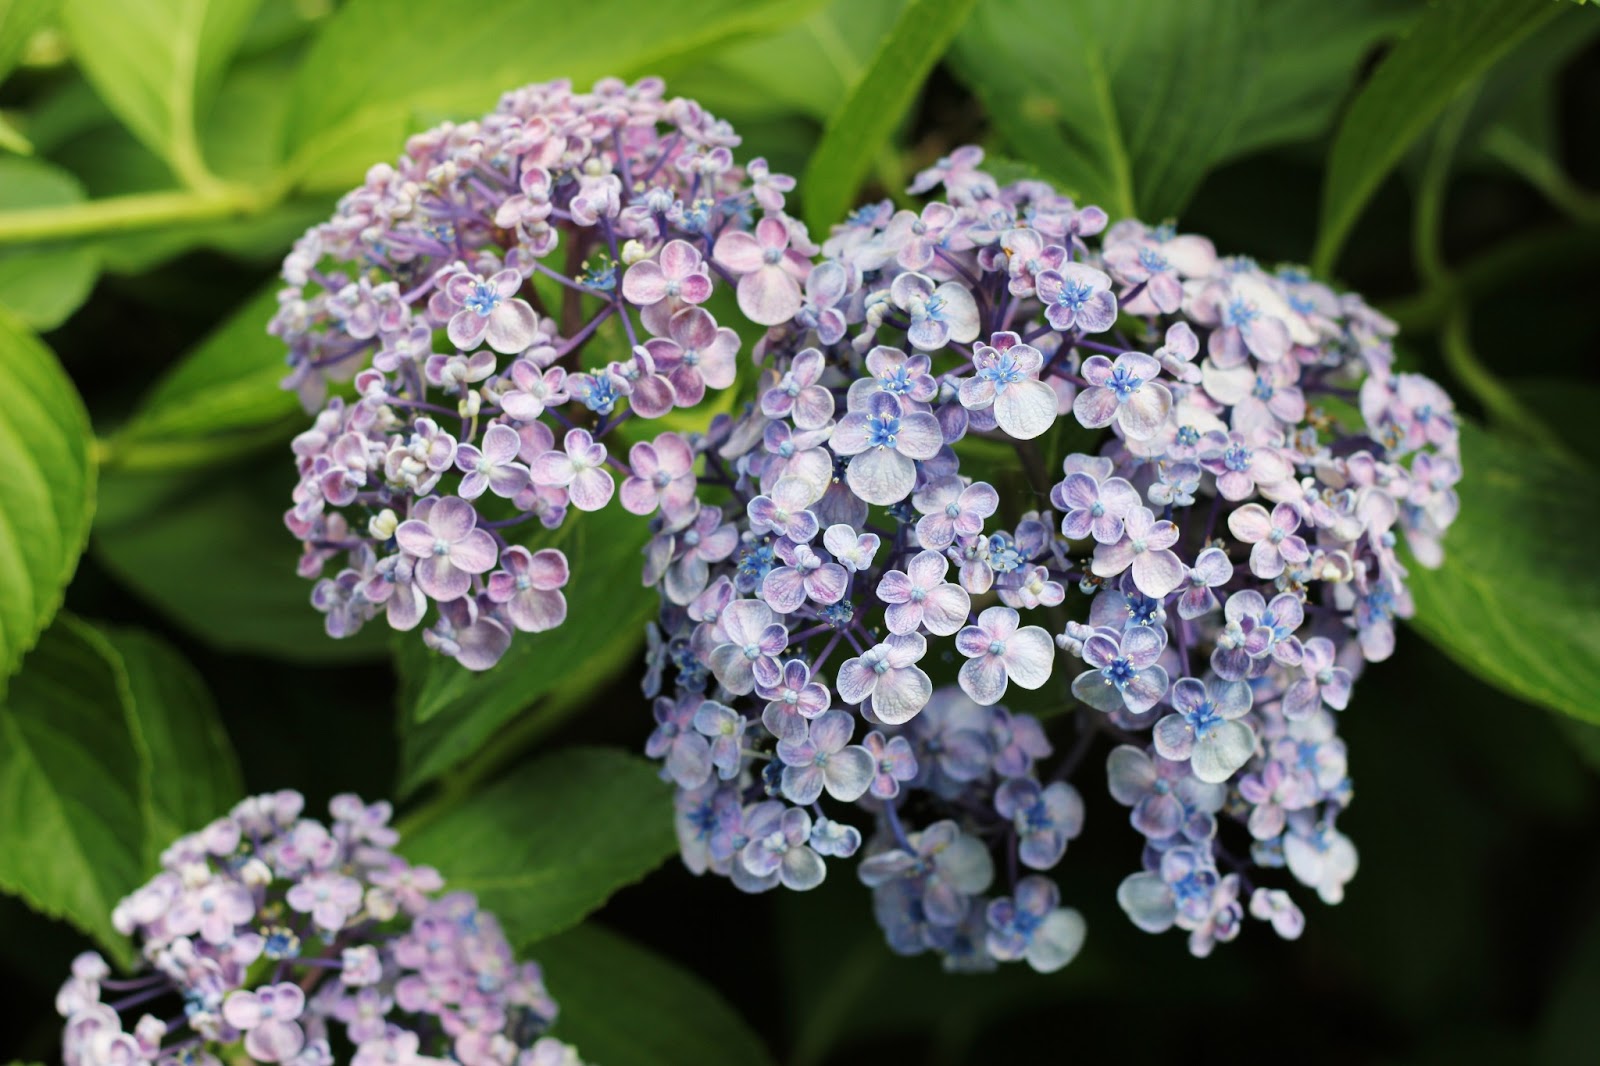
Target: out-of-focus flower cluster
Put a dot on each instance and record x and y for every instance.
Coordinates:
(275, 938)
(1228, 544)
(459, 288)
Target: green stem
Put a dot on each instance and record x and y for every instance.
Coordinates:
(1502, 405)
(1539, 170)
(135, 211)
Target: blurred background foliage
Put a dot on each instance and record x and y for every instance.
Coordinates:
(158, 157)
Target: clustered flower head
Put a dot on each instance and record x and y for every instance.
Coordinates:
(845, 617)
(459, 290)
(275, 938)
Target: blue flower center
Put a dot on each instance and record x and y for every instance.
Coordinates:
(1124, 384)
(1002, 372)
(881, 432)
(1263, 389)
(1239, 312)
(1203, 719)
(1119, 672)
(897, 382)
(1237, 458)
(483, 299)
(1188, 436)
(1073, 295)
(1152, 260)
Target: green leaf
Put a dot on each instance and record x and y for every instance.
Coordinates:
(220, 398)
(1449, 48)
(72, 835)
(380, 68)
(551, 842)
(18, 21)
(209, 551)
(1514, 601)
(156, 63)
(861, 126)
(448, 713)
(807, 68)
(43, 284)
(193, 774)
(1131, 102)
(621, 1003)
(47, 489)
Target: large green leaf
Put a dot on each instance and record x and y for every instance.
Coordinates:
(156, 63)
(47, 488)
(621, 1003)
(43, 285)
(209, 550)
(72, 832)
(1448, 48)
(879, 99)
(193, 774)
(551, 842)
(1515, 600)
(807, 68)
(18, 21)
(1128, 103)
(220, 397)
(382, 67)
(448, 713)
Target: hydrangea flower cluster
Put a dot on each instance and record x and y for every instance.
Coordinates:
(856, 599)
(275, 938)
(460, 288)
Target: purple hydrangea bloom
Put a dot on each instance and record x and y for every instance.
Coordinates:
(1125, 674)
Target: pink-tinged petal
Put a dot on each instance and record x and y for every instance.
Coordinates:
(903, 617)
(441, 580)
(850, 435)
(1146, 411)
(694, 288)
(849, 773)
(679, 259)
(1157, 572)
(1142, 645)
(512, 327)
(1145, 689)
(452, 518)
(1026, 409)
(1265, 560)
(769, 296)
(1250, 523)
(1119, 497)
(591, 489)
(548, 569)
(984, 679)
(832, 730)
(739, 252)
(901, 694)
(827, 583)
(415, 538)
(919, 436)
(652, 396)
(1097, 370)
(1112, 559)
(1267, 339)
(855, 681)
(1173, 737)
(1079, 491)
(242, 1010)
(928, 568)
(475, 553)
(783, 590)
(1162, 534)
(644, 283)
(813, 407)
(881, 476)
(1095, 407)
(1029, 654)
(976, 394)
(639, 496)
(466, 329)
